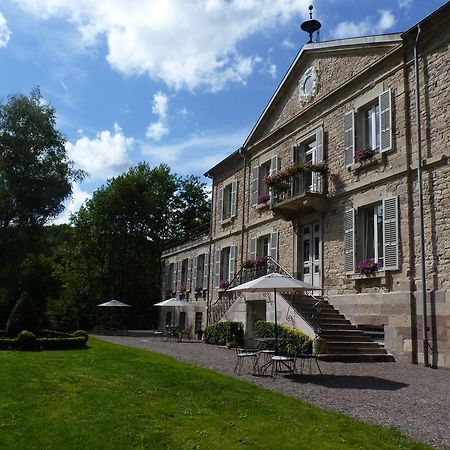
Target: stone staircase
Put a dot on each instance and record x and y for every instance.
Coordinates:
(344, 341)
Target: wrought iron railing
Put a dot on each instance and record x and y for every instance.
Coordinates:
(300, 183)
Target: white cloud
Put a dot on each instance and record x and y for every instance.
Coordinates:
(159, 129)
(5, 33)
(273, 70)
(73, 205)
(404, 4)
(288, 44)
(366, 26)
(104, 156)
(197, 153)
(186, 44)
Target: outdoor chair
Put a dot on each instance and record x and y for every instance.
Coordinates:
(243, 354)
(283, 364)
(308, 358)
(186, 333)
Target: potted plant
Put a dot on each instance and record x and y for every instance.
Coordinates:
(368, 267)
(224, 284)
(364, 153)
(263, 198)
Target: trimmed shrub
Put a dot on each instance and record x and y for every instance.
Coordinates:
(23, 317)
(222, 332)
(53, 334)
(67, 343)
(8, 343)
(80, 333)
(298, 342)
(26, 340)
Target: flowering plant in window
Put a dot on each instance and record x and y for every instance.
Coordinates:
(263, 198)
(261, 261)
(169, 292)
(364, 153)
(283, 177)
(368, 267)
(224, 284)
(199, 289)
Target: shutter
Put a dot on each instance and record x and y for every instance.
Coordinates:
(349, 138)
(217, 268)
(253, 248)
(273, 165)
(174, 276)
(179, 270)
(232, 262)
(233, 198)
(349, 241)
(390, 233)
(205, 271)
(221, 203)
(294, 156)
(188, 276)
(165, 276)
(255, 185)
(385, 121)
(318, 177)
(194, 273)
(274, 245)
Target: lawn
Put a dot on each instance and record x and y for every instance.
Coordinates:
(114, 397)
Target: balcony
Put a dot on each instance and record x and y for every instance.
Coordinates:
(303, 193)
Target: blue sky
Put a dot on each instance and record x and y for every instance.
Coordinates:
(175, 81)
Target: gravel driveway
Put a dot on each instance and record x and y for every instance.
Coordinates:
(411, 398)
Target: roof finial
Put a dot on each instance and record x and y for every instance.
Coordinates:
(311, 25)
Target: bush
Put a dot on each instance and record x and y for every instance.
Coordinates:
(8, 343)
(53, 334)
(67, 343)
(26, 340)
(298, 342)
(222, 332)
(23, 317)
(80, 333)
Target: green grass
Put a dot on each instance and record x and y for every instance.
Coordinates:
(113, 397)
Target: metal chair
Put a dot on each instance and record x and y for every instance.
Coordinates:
(283, 364)
(243, 354)
(309, 357)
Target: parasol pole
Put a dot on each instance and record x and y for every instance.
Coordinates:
(276, 323)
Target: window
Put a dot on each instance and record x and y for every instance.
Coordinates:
(371, 232)
(227, 203)
(370, 126)
(308, 150)
(224, 263)
(168, 318)
(200, 271)
(198, 321)
(260, 193)
(264, 245)
(184, 275)
(170, 281)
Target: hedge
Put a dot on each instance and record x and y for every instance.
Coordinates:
(28, 341)
(222, 332)
(298, 342)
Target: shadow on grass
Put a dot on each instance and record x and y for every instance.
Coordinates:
(349, 382)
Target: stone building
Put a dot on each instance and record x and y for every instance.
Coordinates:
(326, 184)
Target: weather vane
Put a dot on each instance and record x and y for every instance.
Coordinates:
(311, 25)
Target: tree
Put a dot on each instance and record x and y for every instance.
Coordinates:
(23, 317)
(35, 173)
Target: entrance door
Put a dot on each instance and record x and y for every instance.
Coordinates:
(255, 311)
(310, 255)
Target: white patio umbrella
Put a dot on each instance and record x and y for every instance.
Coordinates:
(175, 303)
(275, 282)
(112, 303)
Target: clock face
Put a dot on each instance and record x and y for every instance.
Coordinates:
(308, 85)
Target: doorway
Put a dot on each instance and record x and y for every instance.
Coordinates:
(309, 261)
(255, 311)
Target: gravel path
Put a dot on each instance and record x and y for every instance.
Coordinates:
(411, 398)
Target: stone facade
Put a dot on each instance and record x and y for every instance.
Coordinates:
(365, 91)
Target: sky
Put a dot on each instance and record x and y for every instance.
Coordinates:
(180, 82)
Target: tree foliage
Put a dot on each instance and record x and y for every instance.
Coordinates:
(23, 317)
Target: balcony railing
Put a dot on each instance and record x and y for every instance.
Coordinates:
(304, 192)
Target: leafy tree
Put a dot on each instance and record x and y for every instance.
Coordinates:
(23, 317)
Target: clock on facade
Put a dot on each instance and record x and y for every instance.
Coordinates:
(308, 84)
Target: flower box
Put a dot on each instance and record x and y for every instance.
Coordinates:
(368, 267)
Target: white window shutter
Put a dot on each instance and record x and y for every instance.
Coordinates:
(205, 271)
(255, 185)
(179, 266)
(174, 276)
(349, 138)
(217, 268)
(221, 203)
(319, 144)
(390, 233)
(273, 165)
(194, 273)
(349, 241)
(165, 276)
(253, 248)
(294, 154)
(274, 245)
(232, 262)
(233, 198)
(385, 121)
(188, 277)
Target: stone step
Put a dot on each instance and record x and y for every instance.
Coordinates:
(326, 320)
(346, 338)
(337, 327)
(352, 357)
(356, 350)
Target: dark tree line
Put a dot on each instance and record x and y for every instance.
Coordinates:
(113, 245)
